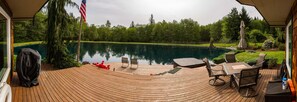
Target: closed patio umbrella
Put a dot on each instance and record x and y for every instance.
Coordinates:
(242, 43)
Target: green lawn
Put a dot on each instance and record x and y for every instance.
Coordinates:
(27, 43)
(247, 56)
(220, 45)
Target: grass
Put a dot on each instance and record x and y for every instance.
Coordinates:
(250, 57)
(247, 56)
(144, 43)
(220, 45)
(27, 43)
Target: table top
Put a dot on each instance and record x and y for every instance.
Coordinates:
(184, 62)
(232, 68)
(275, 88)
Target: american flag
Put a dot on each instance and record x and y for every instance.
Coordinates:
(83, 10)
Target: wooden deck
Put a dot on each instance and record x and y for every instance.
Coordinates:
(90, 84)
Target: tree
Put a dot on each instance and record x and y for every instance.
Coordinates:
(152, 20)
(245, 17)
(131, 35)
(91, 33)
(31, 30)
(216, 30)
(108, 24)
(231, 27)
(205, 33)
(256, 36)
(132, 24)
(257, 24)
(58, 22)
(20, 30)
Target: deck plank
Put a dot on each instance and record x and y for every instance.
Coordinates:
(88, 83)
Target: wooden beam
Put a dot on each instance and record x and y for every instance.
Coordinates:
(12, 51)
(293, 17)
(6, 8)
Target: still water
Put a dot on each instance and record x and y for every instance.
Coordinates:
(146, 54)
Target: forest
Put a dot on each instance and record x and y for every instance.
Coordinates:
(225, 30)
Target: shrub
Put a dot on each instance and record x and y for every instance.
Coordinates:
(67, 62)
(256, 36)
(14, 62)
(282, 47)
(251, 61)
(268, 44)
(219, 59)
(272, 62)
(237, 51)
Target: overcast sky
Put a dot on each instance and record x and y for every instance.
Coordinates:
(123, 12)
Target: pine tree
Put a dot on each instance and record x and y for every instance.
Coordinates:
(152, 21)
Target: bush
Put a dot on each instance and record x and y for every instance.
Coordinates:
(66, 62)
(272, 62)
(256, 36)
(219, 59)
(282, 47)
(268, 44)
(14, 62)
(237, 51)
(251, 61)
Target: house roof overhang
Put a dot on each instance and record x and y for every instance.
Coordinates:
(275, 12)
(23, 9)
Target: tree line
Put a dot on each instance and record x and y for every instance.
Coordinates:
(57, 28)
(184, 31)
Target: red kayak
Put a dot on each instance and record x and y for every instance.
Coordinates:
(101, 65)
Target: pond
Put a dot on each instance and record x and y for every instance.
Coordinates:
(146, 54)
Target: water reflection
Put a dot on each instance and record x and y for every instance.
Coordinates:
(147, 54)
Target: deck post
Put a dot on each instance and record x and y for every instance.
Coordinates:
(12, 51)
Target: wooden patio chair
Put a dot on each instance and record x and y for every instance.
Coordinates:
(215, 72)
(125, 61)
(230, 57)
(246, 79)
(135, 62)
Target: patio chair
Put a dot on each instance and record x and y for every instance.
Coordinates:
(280, 72)
(134, 61)
(230, 57)
(215, 72)
(259, 62)
(246, 79)
(125, 61)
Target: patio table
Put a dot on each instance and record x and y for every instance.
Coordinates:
(232, 68)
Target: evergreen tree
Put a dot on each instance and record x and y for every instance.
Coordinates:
(108, 24)
(132, 24)
(231, 25)
(152, 20)
(245, 17)
(58, 22)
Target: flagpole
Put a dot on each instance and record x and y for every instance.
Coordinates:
(78, 42)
